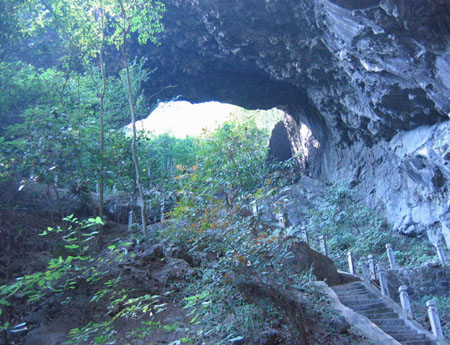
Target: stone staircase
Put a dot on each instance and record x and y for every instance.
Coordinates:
(361, 299)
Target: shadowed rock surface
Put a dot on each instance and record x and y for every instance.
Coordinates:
(279, 146)
(365, 82)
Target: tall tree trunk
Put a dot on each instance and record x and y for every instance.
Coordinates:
(133, 140)
(102, 138)
(102, 113)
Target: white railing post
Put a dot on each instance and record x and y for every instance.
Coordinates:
(434, 319)
(391, 256)
(404, 300)
(254, 206)
(373, 272)
(130, 220)
(281, 219)
(323, 245)
(382, 278)
(364, 268)
(305, 236)
(440, 253)
(351, 262)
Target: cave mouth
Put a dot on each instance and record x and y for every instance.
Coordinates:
(183, 119)
(287, 137)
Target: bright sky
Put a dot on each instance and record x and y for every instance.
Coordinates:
(183, 118)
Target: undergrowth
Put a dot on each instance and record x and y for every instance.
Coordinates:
(348, 225)
(244, 286)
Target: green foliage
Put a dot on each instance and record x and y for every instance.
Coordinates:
(350, 226)
(233, 156)
(99, 333)
(78, 235)
(51, 126)
(166, 157)
(61, 271)
(42, 134)
(212, 215)
(93, 333)
(214, 183)
(90, 24)
(212, 302)
(76, 266)
(230, 164)
(51, 115)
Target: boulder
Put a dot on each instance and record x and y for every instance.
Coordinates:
(45, 335)
(305, 259)
(153, 253)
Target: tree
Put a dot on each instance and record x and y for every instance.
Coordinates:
(144, 18)
(88, 25)
(9, 25)
(82, 25)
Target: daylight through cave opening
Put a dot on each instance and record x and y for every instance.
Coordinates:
(288, 138)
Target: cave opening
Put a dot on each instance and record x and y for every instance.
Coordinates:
(288, 137)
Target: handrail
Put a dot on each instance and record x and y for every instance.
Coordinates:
(370, 274)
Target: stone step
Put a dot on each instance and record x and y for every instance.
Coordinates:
(419, 342)
(362, 289)
(353, 285)
(350, 286)
(366, 307)
(381, 310)
(388, 329)
(358, 298)
(389, 322)
(377, 315)
(348, 289)
(365, 301)
(393, 330)
(407, 336)
(356, 283)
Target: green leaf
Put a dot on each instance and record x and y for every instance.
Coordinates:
(4, 302)
(71, 246)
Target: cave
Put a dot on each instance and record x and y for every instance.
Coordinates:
(234, 236)
(364, 84)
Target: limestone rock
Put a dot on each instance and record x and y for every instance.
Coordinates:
(323, 268)
(45, 336)
(421, 281)
(153, 253)
(279, 145)
(296, 201)
(366, 84)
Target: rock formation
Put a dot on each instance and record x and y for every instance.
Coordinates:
(366, 84)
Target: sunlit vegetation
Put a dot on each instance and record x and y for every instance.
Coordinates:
(69, 86)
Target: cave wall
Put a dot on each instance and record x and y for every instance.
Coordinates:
(369, 79)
